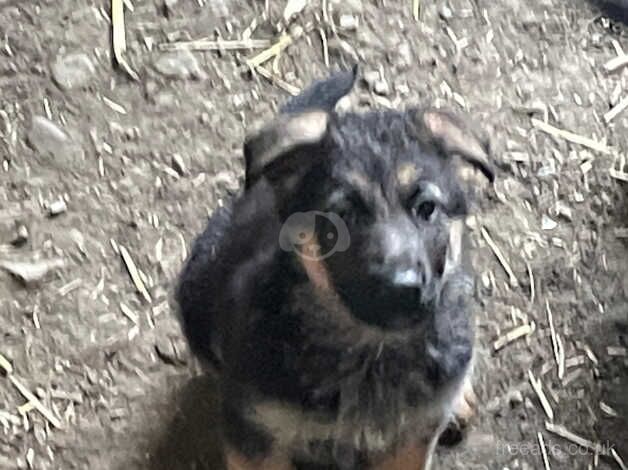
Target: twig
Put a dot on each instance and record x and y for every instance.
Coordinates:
(416, 10)
(561, 431)
(556, 345)
(543, 451)
(284, 41)
(513, 335)
(134, 273)
(6, 365)
(218, 45)
(119, 37)
(570, 136)
(500, 257)
(537, 386)
(34, 401)
(294, 91)
(618, 459)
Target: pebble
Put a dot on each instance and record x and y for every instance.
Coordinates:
(515, 398)
(371, 77)
(181, 65)
(348, 22)
(73, 71)
(48, 139)
(445, 12)
(381, 87)
(57, 207)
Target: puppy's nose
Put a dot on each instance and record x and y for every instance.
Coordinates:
(401, 255)
(412, 277)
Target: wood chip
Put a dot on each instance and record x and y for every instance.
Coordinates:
(500, 257)
(546, 464)
(134, 273)
(513, 335)
(537, 386)
(616, 63)
(561, 431)
(608, 410)
(119, 37)
(69, 287)
(130, 314)
(118, 108)
(570, 136)
(557, 348)
(616, 110)
(5, 365)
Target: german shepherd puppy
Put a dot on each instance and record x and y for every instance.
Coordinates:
(331, 294)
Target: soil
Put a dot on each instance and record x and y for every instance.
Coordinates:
(139, 164)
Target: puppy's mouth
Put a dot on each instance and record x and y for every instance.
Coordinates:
(387, 307)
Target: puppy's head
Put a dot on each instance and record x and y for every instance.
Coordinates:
(371, 204)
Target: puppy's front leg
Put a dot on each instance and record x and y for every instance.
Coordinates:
(275, 461)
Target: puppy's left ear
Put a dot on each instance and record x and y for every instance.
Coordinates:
(455, 137)
(286, 146)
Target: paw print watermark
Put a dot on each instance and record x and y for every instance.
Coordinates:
(301, 233)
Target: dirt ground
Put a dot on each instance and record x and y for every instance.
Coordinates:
(105, 172)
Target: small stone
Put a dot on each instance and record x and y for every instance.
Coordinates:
(348, 22)
(547, 223)
(73, 71)
(515, 397)
(48, 139)
(445, 12)
(178, 164)
(381, 87)
(21, 236)
(57, 207)
(371, 77)
(181, 65)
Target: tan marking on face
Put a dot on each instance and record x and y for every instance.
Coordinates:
(407, 173)
(315, 268)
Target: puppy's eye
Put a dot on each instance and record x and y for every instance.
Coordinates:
(425, 209)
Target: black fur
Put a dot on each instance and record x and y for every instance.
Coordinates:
(367, 351)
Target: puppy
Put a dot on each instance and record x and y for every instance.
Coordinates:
(331, 294)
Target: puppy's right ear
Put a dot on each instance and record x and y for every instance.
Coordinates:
(287, 144)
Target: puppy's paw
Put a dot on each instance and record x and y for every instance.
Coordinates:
(465, 409)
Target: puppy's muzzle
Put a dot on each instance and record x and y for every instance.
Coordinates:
(401, 259)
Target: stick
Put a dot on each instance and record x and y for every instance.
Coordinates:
(134, 273)
(561, 431)
(537, 386)
(570, 136)
(500, 257)
(543, 451)
(294, 91)
(218, 45)
(513, 335)
(119, 37)
(46, 413)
